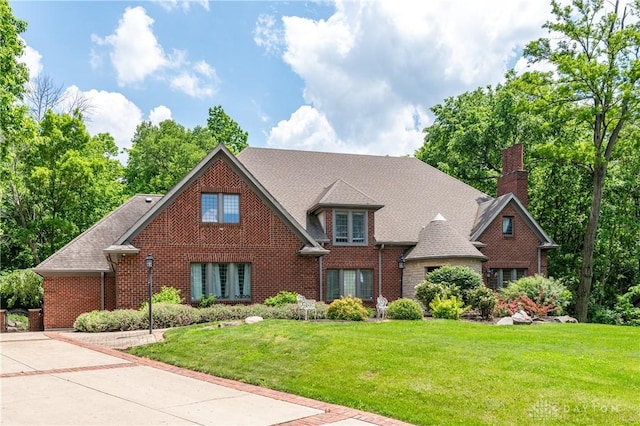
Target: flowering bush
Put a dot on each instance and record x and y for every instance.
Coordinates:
(548, 293)
(538, 307)
(484, 300)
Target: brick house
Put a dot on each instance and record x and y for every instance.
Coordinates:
(321, 224)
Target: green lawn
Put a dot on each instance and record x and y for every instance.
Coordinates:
(429, 372)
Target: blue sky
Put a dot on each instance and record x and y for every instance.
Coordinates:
(343, 76)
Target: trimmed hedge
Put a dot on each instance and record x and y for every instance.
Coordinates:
(405, 309)
(166, 315)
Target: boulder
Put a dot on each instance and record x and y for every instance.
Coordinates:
(252, 320)
(505, 321)
(565, 318)
(521, 317)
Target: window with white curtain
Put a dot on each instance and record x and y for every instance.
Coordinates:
(226, 281)
(345, 282)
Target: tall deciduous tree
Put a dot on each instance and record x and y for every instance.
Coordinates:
(13, 74)
(595, 52)
(163, 154)
(61, 181)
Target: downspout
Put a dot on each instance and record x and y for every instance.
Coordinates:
(102, 291)
(539, 262)
(380, 269)
(320, 275)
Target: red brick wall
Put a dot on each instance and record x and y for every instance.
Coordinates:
(514, 178)
(67, 297)
(518, 251)
(177, 238)
(365, 257)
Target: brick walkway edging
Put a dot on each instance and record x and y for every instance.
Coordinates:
(332, 413)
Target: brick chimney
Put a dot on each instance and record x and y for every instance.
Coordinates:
(514, 178)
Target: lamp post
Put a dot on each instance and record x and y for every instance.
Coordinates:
(149, 263)
(401, 262)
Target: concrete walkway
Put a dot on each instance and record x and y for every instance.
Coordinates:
(66, 378)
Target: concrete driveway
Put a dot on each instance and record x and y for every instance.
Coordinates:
(47, 378)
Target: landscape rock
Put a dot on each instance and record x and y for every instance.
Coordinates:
(252, 320)
(565, 318)
(505, 321)
(521, 317)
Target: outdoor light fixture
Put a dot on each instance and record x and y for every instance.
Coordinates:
(488, 273)
(149, 262)
(401, 261)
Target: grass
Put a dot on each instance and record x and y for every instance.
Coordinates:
(429, 372)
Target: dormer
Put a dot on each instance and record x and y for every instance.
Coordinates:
(345, 215)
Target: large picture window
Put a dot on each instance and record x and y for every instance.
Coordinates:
(220, 208)
(350, 228)
(354, 282)
(226, 281)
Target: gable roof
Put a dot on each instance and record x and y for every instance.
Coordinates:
(84, 253)
(221, 152)
(409, 190)
(439, 240)
(489, 210)
(341, 194)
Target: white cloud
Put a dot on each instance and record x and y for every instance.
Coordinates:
(111, 112)
(135, 52)
(33, 60)
(159, 114)
(267, 34)
(373, 68)
(185, 5)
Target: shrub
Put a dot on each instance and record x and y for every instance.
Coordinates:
(166, 315)
(347, 308)
(205, 302)
(282, 298)
(462, 277)
(21, 288)
(539, 307)
(427, 291)
(118, 320)
(451, 308)
(627, 313)
(167, 295)
(484, 300)
(546, 292)
(404, 309)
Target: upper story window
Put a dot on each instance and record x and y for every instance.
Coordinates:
(507, 226)
(221, 208)
(349, 227)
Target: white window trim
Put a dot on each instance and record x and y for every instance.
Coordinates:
(350, 241)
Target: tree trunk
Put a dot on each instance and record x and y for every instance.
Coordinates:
(586, 271)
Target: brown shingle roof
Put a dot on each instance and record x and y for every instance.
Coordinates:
(411, 191)
(85, 252)
(439, 240)
(341, 194)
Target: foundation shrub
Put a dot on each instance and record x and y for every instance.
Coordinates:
(463, 278)
(404, 309)
(451, 308)
(484, 300)
(547, 293)
(205, 302)
(427, 291)
(118, 320)
(347, 308)
(282, 298)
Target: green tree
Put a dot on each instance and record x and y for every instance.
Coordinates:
(13, 74)
(225, 130)
(163, 154)
(595, 53)
(61, 181)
